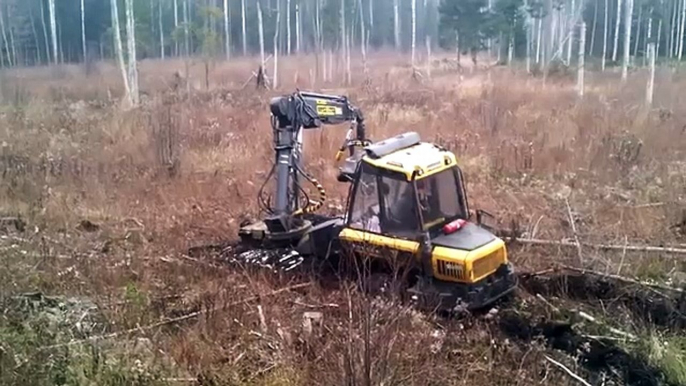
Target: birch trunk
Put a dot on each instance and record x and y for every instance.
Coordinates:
(39, 57)
(659, 33)
(83, 31)
(288, 27)
(538, 40)
(161, 27)
(261, 32)
(615, 48)
(243, 26)
(681, 30)
(627, 38)
(582, 61)
(5, 41)
(344, 42)
(673, 27)
(651, 77)
(371, 16)
(605, 30)
(414, 29)
(53, 30)
(45, 33)
(14, 47)
(362, 37)
(119, 49)
(227, 41)
(396, 24)
(186, 35)
(347, 60)
(297, 28)
(275, 84)
(131, 47)
(176, 26)
(649, 35)
(571, 38)
(638, 30)
(595, 24)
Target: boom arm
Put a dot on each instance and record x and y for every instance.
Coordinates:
(290, 115)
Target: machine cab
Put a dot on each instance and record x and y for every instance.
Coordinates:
(404, 188)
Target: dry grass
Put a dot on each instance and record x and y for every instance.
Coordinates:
(182, 170)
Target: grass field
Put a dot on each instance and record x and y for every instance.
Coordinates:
(109, 199)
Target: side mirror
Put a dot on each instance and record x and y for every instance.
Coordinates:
(485, 220)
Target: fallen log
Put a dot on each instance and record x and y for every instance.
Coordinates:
(570, 244)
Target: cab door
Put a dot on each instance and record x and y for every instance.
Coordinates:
(372, 228)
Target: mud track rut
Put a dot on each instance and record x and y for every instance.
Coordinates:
(525, 317)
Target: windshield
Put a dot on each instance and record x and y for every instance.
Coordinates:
(441, 198)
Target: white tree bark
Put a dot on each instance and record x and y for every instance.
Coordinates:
(538, 40)
(681, 30)
(510, 49)
(649, 35)
(673, 28)
(119, 49)
(288, 27)
(275, 84)
(243, 26)
(131, 48)
(570, 17)
(605, 30)
(83, 31)
(347, 60)
(161, 27)
(595, 24)
(651, 77)
(53, 30)
(45, 33)
(414, 29)
(176, 26)
(4, 38)
(297, 28)
(261, 32)
(615, 48)
(396, 24)
(227, 41)
(627, 38)
(582, 61)
(344, 41)
(362, 36)
(186, 32)
(659, 33)
(638, 30)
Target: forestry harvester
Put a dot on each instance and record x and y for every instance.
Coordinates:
(406, 211)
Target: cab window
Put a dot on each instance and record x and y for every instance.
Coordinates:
(365, 211)
(399, 207)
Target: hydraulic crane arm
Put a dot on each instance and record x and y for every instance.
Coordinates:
(290, 115)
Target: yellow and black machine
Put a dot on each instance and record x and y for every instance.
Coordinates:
(407, 213)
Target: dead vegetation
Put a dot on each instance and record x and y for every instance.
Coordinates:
(109, 201)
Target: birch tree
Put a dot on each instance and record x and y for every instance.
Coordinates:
(605, 30)
(161, 27)
(5, 41)
(83, 31)
(45, 33)
(53, 30)
(131, 47)
(243, 26)
(227, 41)
(414, 29)
(627, 38)
(119, 49)
(288, 27)
(261, 33)
(582, 61)
(615, 47)
(298, 27)
(176, 26)
(396, 24)
(681, 30)
(276, 46)
(651, 76)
